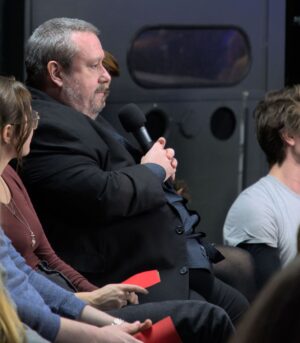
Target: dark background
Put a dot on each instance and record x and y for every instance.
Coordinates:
(12, 39)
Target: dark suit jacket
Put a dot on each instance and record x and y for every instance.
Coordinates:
(103, 213)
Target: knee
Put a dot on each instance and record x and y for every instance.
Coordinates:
(198, 321)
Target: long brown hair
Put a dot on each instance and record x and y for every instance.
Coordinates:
(15, 109)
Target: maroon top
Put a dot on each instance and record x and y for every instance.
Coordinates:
(16, 228)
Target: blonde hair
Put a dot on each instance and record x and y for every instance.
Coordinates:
(11, 328)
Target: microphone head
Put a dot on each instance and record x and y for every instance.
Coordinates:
(131, 117)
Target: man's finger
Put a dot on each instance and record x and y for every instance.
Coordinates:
(162, 141)
(170, 153)
(174, 163)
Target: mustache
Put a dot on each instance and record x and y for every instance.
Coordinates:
(102, 89)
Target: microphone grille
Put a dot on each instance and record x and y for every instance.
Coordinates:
(131, 117)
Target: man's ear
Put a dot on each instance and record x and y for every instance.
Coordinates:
(54, 72)
(288, 138)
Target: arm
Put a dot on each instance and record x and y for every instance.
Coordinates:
(30, 306)
(92, 170)
(80, 176)
(43, 250)
(105, 298)
(71, 331)
(252, 220)
(98, 318)
(82, 179)
(36, 314)
(266, 261)
(59, 300)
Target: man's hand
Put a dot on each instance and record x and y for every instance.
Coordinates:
(163, 157)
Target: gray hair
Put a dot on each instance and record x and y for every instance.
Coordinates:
(51, 41)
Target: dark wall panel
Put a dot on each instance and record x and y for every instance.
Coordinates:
(11, 37)
(210, 166)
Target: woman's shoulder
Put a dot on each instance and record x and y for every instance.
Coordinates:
(11, 177)
(10, 173)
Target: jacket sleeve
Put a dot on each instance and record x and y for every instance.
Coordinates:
(82, 169)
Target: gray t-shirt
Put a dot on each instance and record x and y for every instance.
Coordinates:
(267, 212)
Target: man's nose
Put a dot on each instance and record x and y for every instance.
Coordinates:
(104, 75)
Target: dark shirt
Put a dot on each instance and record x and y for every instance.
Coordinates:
(196, 253)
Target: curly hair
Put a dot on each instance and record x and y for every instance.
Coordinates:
(278, 111)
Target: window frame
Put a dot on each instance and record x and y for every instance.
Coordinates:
(132, 72)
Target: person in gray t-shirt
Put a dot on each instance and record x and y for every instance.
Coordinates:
(265, 217)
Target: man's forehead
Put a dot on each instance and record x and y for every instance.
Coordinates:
(88, 42)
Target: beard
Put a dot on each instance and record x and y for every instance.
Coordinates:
(73, 97)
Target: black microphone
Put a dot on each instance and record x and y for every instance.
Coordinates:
(133, 120)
